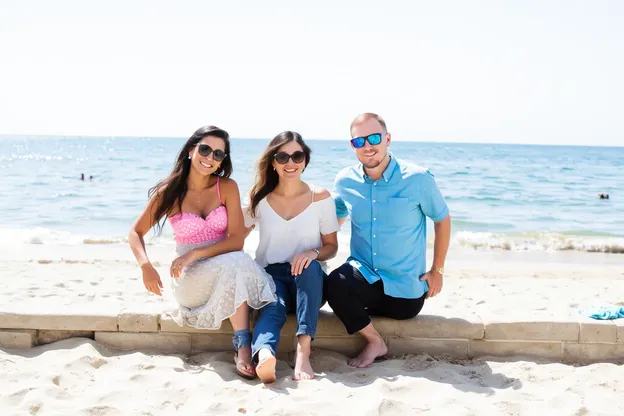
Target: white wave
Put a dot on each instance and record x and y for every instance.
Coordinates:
(41, 235)
(468, 239)
(538, 242)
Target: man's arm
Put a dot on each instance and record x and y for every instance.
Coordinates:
(441, 242)
(341, 210)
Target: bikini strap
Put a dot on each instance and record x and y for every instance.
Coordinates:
(219, 190)
(313, 187)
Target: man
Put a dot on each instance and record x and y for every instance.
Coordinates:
(388, 200)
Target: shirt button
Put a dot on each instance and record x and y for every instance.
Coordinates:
(374, 219)
(375, 269)
(374, 254)
(374, 235)
(375, 184)
(374, 200)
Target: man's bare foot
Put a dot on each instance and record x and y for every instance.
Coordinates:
(303, 368)
(244, 366)
(373, 349)
(266, 366)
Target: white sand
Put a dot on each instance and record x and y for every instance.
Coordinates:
(79, 377)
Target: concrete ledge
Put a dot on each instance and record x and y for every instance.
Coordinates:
(537, 349)
(456, 348)
(576, 339)
(60, 321)
(533, 330)
(163, 342)
(595, 352)
(18, 338)
(592, 330)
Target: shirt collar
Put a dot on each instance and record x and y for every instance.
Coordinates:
(387, 173)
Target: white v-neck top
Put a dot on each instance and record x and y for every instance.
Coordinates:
(281, 240)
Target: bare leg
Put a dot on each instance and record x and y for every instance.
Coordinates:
(375, 347)
(303, 368)
(240, 321)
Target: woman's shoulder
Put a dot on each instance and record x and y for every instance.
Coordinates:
(320, 193)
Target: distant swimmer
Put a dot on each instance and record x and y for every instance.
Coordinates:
(603, 196)
(82, 176)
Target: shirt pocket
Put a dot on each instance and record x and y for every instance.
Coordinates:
(396, 211)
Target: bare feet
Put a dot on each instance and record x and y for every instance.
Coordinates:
(266, 366)
(376, 347)
(303, 368)
(244, 366)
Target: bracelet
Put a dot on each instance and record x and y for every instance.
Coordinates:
(318, 253)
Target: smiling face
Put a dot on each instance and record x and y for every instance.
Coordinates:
(206, 165)
(290, 169)
(371, 156)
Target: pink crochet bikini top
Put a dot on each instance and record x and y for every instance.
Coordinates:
(190, 228)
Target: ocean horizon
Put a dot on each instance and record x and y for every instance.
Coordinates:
(501, 196)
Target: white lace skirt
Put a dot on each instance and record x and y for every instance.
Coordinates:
(210, 290)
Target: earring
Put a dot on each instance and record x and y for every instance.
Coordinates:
(189, 156)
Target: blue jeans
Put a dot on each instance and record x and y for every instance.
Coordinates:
(301, 294)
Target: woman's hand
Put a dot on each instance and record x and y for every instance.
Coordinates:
(181, 262)
(302, 261)
(151, 279)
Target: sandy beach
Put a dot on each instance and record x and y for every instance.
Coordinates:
(79, 376)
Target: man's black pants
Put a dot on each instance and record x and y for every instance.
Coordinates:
(354, 300)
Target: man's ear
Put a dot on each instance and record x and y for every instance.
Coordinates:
(388, 139)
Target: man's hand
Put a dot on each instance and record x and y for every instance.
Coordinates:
(434, 281)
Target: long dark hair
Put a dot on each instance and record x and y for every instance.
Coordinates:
(172, 190)
(266, 177)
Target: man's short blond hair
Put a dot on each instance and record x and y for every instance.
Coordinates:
(368, 116)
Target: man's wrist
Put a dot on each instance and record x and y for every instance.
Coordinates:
(438, 270)
(317, 252)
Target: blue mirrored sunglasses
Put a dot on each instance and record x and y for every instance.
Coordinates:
(373, 140)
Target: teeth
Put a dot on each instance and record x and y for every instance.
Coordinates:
(290, 170)
(205, 165)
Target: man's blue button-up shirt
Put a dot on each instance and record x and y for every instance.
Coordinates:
(388, 223)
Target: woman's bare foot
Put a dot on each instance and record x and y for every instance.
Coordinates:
(376, 347)
(266, 366)
(244, 366)
(303, 368)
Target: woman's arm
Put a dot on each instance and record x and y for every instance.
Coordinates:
(329, 241)
(151, 279)
(140, 227)
(235, 239)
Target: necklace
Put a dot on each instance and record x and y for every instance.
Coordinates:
(200, 194)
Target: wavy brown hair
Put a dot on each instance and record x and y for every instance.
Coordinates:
(172, 190)
(266, 177)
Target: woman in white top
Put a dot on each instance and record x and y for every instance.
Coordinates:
(298, 230)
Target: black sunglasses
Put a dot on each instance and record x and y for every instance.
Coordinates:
(204, 150)
(359, 142)
(282, 157)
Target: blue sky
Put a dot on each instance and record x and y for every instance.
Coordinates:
(547, 72)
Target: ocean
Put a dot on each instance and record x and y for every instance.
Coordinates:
(507, 197)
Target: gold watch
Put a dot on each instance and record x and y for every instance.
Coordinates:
(439, 270)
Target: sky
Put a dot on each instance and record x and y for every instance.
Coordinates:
(531, 72)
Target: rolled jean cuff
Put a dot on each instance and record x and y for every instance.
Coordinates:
(241, 338)
(304, 330)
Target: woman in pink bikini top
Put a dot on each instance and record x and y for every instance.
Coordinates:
(213, 279)
(190, 228)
